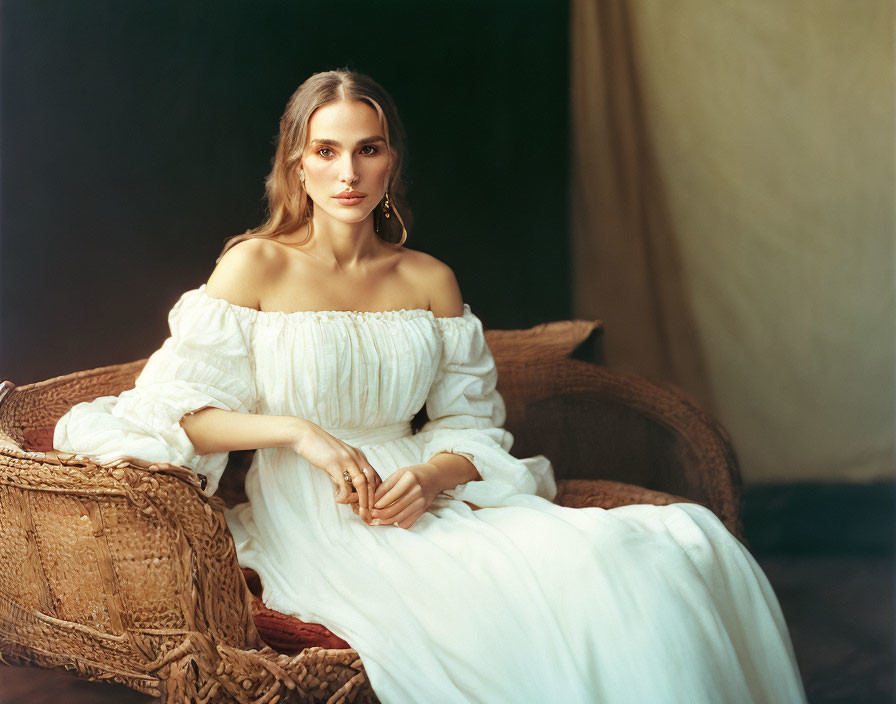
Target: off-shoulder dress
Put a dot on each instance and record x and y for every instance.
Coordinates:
(519, 600)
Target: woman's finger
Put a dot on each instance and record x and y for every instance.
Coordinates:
(409, 516)
(385, 486)
(397, 489)
(344, 493)
(371, 490)
(387, 514)
(359, 481)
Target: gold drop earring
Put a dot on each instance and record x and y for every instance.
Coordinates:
(386, 212)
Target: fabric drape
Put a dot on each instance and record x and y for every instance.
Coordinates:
(733, 213)
(626, 266)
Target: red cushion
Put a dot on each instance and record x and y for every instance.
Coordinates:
(286, 633)
(38, 439)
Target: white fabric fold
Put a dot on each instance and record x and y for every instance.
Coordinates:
(204, 363)
(466, 414)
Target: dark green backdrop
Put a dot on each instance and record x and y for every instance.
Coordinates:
(136, 137)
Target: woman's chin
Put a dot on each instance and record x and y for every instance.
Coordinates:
(350, 216)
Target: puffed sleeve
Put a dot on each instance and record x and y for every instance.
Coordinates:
(205, 362)
(466, 414)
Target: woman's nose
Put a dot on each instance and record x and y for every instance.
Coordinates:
(347, 171)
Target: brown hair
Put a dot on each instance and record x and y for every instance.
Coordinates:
(288, 204)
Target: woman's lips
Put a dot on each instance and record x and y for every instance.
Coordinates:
(350, 200)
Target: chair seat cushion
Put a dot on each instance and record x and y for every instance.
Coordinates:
(289, 634)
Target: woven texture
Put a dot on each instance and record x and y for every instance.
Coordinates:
(130, 574)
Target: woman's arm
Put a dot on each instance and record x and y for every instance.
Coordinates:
(237, 279)
(454, 469)
(446, 300)
(217, 430)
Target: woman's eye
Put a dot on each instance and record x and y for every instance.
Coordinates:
(323, 149)
(371, 147)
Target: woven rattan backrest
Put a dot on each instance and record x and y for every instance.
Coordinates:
(29, 414)
(528, 362)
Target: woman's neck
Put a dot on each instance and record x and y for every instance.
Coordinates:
(342, 245)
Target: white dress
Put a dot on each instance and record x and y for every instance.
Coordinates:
(518, 601)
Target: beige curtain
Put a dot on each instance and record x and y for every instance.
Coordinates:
(626, 267)
(733, 216)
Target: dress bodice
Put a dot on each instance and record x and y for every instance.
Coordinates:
(340, 369)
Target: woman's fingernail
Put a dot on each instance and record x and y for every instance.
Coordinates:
(375, 522)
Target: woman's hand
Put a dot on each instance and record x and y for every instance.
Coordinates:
(406, 495)
(145, 464)
(333, 456)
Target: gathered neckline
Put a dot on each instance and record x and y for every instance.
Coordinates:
(332, 314)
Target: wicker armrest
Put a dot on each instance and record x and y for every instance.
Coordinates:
(130, 575)
(600, 423)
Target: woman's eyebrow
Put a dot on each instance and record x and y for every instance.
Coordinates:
(334, 143)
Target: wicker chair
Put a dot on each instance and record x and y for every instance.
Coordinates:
(130, 575)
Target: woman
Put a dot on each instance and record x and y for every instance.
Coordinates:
(442, 559)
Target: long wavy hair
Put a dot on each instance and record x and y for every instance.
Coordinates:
(288, 204)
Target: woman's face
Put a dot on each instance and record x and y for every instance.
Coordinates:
(346, 152)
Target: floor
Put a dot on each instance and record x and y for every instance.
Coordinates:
(841, 618)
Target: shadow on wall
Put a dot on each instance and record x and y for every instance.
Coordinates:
(163, 127)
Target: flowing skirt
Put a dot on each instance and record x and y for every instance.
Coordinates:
(526, 602)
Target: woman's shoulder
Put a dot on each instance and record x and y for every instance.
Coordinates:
(242, 270)
(438, 280)
(420, 263)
